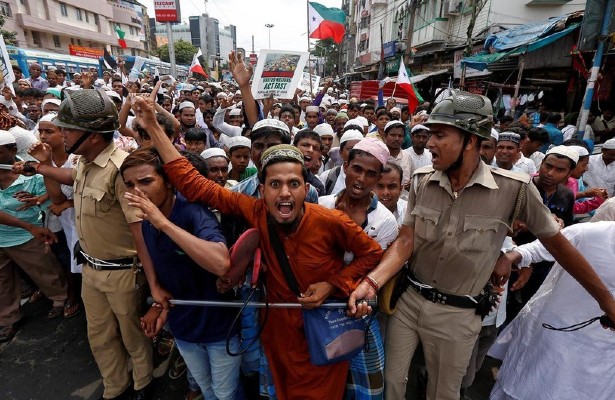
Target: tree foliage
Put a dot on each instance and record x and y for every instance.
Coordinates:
(330, 50)
(9, 37)
(184, 51)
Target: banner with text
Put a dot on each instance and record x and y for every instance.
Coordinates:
(305, 83)
(7, 76)
(167, 10)
(87, 52)
(278, 73)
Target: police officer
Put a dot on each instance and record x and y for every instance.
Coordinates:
(110, 238)
(458, 214)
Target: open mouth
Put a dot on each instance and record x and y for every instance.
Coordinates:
(357, 189)
(285, 208)
(307, 158)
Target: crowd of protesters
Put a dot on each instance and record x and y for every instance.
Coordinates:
(113, 191)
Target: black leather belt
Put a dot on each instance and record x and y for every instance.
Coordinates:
(436, 296)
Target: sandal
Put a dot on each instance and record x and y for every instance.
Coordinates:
(36, 297)
(7, 333)
(164, 344)
(178, 369)
(71, 309)
(55, 312)
(27, 292)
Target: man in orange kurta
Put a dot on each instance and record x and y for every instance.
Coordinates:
(314, 240)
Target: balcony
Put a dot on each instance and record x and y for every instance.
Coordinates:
(434, 31)
(44, 25)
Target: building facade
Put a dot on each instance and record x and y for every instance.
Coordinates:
(77, 26)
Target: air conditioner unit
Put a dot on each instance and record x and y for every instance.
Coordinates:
(454, 7)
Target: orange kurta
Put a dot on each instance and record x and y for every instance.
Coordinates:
(315, 250)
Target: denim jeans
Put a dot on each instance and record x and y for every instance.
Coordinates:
(216, 373)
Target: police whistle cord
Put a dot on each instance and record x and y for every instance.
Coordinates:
(239, 304)
(604, 321)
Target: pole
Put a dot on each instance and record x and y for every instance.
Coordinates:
(513, 106)
(591, 82)
(171, 50)
(216, 303)
(269, 26)
(307, 20)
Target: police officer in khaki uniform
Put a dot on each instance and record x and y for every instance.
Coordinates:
(110, 238)
(458, 214)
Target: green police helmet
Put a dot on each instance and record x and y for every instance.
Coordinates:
(87, 110)
(469, 112)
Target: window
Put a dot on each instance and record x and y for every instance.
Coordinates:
(79, 42)
(132, 30)
(96, 19)
(79, 15)
(5, 9)
(36, 38)
(87, 17)
(56, 41)
(63, 10)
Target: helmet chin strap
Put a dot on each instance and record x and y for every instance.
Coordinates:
(457, 164)
(78, 143)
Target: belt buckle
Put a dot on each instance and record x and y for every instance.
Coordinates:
(432, 295)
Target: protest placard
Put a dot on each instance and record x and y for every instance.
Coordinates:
(278, 73)
(7, 77)
(305, 83)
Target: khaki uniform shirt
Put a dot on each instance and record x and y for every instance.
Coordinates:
(102, 214)
(458, 236)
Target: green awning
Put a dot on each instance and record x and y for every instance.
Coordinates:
(482, 61)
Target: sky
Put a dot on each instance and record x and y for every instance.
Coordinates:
(289, 18)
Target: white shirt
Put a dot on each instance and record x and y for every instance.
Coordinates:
(222, 126)
(404, 160)
(419, 160)
(600, 175)
(400, 211)
(537, 157)
(526, 165)
(543, 364)
(381, 224)
(606, 211)
(340, 183)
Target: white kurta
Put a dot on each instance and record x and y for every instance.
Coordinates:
(600, 175)
(543, 364)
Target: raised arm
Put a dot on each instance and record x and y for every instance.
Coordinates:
(242, 74)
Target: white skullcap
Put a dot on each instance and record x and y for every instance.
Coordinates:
(57, 102)
(582, 151)
(609, 144)
(186, 104)
(351, 134)
(48, 117)
(237, 92)
(565, 151)
(113, 94)
(311, 109)
(235, 112)
(363, 120)
(396, 109)
(239, 141)
(495, 134)
(305, 98)
(271, 123)
(221, 95)
(354, 122)
(392, 124)
(213, 152)
(419, 127)
(343, 101)
(324, 130)
(6, 138)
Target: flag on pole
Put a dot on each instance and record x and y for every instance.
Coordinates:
(324, 23)
(196, 65)
(120, 36)
(403, 81)
(109, 60)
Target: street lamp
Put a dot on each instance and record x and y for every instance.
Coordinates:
(269, 26)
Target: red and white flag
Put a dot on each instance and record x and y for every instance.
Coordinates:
(196, 65)
(403, 81)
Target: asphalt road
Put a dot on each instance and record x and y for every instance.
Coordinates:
(51, 360)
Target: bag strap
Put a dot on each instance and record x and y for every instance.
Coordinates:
(280, 254)
(518, 203)
(331, 179)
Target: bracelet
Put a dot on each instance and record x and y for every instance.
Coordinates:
(372, 282)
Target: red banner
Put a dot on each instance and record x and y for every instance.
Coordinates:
(87, 52)
(167, 10)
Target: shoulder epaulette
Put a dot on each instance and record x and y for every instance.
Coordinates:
(518, 176)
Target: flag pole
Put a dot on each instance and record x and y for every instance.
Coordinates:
(307, 9)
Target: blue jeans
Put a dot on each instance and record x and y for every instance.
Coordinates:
(216, 373)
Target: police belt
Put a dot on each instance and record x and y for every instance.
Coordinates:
(115, 264)
(436, 296)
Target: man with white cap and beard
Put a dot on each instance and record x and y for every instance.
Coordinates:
(601, 172)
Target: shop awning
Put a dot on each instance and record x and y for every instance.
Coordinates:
(482, 61)
(418, 78)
